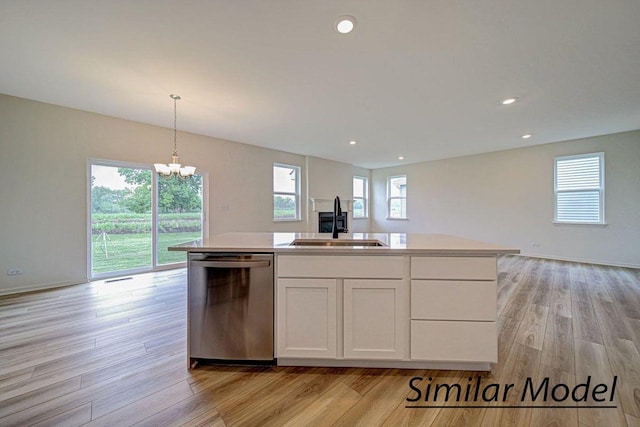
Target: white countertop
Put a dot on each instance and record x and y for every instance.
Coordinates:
(396, 243)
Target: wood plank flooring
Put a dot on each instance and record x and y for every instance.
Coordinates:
(114, 354)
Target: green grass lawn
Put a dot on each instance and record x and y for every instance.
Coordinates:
(126, 251)
(284, 213)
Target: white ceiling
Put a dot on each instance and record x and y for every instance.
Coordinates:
(419, 78)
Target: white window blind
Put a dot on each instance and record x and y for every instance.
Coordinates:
(579, 189)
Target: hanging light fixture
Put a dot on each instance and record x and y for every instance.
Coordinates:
(174, 169)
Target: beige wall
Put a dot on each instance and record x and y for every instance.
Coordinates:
(504, 197)
(43, 171)
(507, 197)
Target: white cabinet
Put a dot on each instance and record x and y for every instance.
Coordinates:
(461, 268)
(453, 309)
(306, 319)
(351, 307)
(374, 319)
(381, 310)
(453, 300)
(453, 341)
(341, 266)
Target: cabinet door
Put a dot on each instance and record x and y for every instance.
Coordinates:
(374, 319)
(306, 318)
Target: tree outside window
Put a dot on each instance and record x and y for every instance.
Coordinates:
(286, 192)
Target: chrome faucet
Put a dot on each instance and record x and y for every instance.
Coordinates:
(337, 210)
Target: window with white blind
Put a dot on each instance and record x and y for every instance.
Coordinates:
(579, 189)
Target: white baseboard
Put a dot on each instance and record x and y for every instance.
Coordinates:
(38, 287)
(581, 260)
(398, 364)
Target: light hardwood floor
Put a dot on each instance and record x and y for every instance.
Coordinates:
(113, 354)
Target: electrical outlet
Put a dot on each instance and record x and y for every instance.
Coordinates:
(535, 244)
(14, 271)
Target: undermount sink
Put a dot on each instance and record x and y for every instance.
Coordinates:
(336, 242)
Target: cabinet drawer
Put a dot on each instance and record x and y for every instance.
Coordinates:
(342, 266)
(462, 268)
(453, 300)
(454, 341)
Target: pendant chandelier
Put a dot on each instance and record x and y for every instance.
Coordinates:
(174, 169)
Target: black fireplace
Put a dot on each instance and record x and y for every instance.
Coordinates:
(325, 222)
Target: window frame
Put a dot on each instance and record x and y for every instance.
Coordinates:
(390, 198)
(600, 189)
(128, 271)
(296, 194)
(154, 219)
(365, 198)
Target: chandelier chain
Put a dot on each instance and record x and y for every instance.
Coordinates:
(174, 169)
(175, 129)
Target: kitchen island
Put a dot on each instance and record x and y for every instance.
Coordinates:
(375, 299)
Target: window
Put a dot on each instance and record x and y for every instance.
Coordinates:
(286, 192)
(397, 197)
(134, 218)
(360, 197)
(579, 189)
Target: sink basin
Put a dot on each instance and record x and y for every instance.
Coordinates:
(335, 242)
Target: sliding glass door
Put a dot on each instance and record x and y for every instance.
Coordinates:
(121, 219)
(179, 216)
(134, 218)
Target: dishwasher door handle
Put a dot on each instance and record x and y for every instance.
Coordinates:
(231, 264)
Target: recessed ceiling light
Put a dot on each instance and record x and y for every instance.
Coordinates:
(526, 136)
(400, 157)
(509, 101)
(353, 142)
(345, 24)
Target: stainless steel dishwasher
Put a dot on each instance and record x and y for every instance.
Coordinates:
(230, 307)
